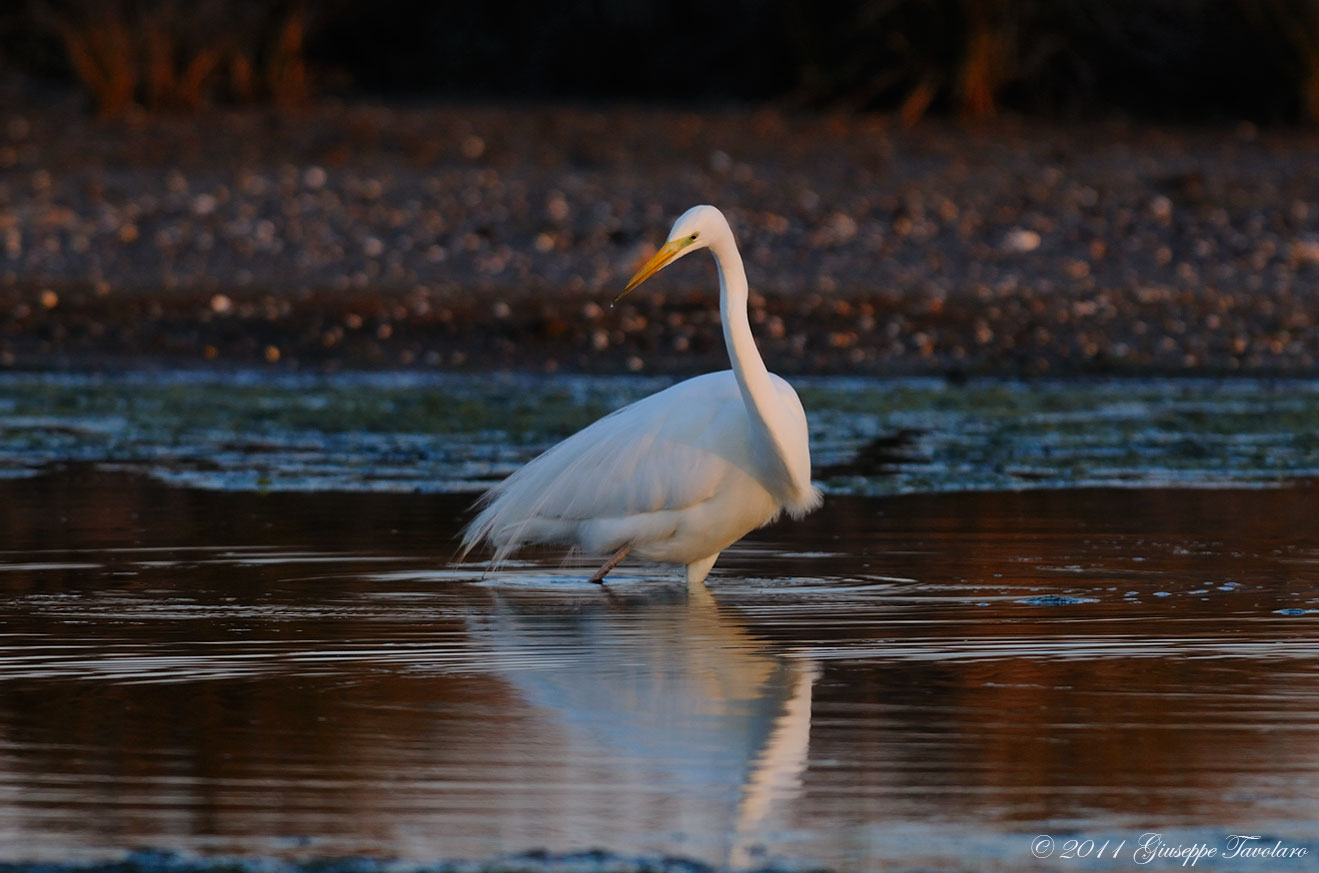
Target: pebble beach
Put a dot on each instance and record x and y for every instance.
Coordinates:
(496, 236)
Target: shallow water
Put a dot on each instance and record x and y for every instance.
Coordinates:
(920, 681)
(438, 432)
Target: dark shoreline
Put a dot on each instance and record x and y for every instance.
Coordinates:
(476, 237)
(654, 334)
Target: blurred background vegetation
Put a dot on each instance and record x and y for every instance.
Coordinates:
(1183, 59)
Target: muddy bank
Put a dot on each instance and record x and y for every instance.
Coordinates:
(494, 237)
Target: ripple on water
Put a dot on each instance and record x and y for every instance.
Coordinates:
(296, 432)
(876, 686)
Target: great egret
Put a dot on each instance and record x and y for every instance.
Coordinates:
(678, 476)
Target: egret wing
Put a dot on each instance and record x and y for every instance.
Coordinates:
(665, 452)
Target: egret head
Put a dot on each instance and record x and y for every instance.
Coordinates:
(696, 229)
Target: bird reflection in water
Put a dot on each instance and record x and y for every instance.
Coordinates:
(684, 709)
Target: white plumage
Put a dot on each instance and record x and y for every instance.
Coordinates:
(680, 475)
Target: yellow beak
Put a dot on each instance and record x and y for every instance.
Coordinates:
(662, 259)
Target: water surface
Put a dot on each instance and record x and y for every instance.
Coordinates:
(911, 681)
(458, 433)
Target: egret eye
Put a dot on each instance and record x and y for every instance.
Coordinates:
(693, 237)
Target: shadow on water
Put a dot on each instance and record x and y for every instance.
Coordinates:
(914, 681)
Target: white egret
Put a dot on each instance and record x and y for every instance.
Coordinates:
(678, 476)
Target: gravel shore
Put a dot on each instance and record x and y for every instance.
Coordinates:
(483, 236)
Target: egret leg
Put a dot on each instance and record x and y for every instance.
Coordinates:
(698, 570)
(599, 577)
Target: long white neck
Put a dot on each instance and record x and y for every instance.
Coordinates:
(757, 386)
(748, 366)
